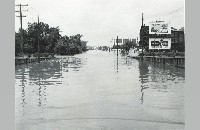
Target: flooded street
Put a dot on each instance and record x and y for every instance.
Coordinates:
(97, 90)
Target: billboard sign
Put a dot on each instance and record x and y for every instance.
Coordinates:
(119, 40)
(125, 40)
(159, 43)
(159, 28)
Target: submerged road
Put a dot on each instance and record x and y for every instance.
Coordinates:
(97, 90)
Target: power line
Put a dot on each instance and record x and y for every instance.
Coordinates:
(175, 11)
(168, 14)
(20, 12)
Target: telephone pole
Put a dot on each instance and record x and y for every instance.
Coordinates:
(117, 45)
(21, 16)
(142, 36)
(142, 19)
(38, 34)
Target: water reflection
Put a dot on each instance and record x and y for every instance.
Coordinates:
(117, 63)
(143, 71)
(21, 76)
(39, 73)
(23, 89)
(46, 73)
(71, 62)
(158, 76)
(41, 93)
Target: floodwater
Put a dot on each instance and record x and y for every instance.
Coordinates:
(97, 90)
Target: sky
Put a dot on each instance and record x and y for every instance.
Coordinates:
(99, 21)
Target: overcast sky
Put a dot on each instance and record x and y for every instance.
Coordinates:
(101, 20)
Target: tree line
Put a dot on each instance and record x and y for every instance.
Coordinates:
(50, 41)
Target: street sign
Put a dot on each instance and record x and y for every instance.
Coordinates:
(159, 43)
(159, 28)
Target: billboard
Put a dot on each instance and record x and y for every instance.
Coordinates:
(119, 40)
(159, 43)
(125, 40)
(159, 28)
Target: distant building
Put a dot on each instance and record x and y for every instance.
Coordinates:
(178, 40)
(144, 37)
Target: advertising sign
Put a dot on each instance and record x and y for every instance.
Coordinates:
(159, 43)
(125, 40)
(159, 28)
(119, 40)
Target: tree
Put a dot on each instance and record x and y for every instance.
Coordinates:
(18, 45)
(61, 47)
(48, 36)
(126, 46)
(21, 40)
(50, 40)
(84, 46)
(70, 45)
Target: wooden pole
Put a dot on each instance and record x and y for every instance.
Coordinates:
(117, 45)
(142, 37)
(21, 16)
(38, 40)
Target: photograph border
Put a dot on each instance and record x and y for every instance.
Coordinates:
(7, 94)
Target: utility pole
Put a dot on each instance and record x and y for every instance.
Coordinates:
(178, 41)
(38, 39)
(142, 19)
(174, 42)
(142, 37)
(117, 45)
(117, 52)
(21, 16)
